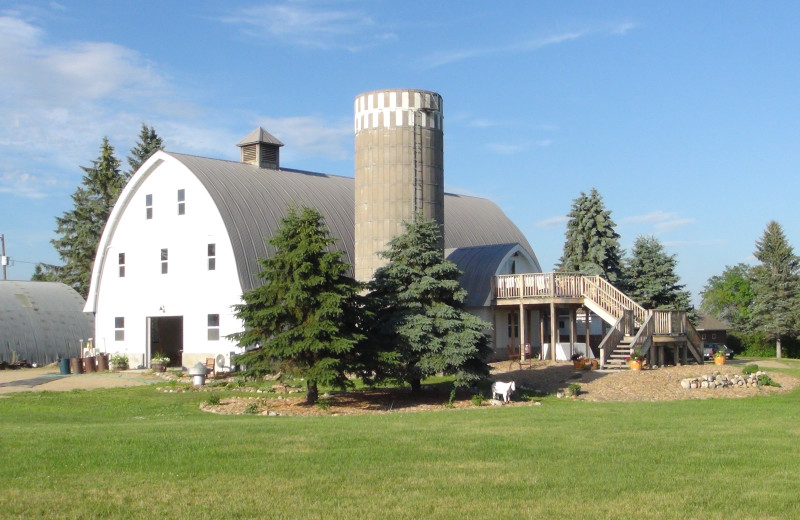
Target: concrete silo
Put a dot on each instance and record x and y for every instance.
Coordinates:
(399, 168)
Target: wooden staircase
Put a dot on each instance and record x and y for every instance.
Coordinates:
(619, 356)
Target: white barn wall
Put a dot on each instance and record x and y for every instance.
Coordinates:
(189, 289)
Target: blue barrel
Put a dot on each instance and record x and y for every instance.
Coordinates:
(64, 366)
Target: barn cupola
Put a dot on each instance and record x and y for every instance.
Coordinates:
(261, 148)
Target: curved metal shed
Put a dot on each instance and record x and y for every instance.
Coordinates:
(41, 321)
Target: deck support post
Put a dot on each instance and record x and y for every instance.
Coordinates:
(573, 329)
(542, 337)
(587, 320)
(522, 331)
(553, 331)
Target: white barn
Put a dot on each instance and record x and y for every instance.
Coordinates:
(183, 243)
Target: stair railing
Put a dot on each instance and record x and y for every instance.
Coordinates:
(611, 299)
(611, 340)
(644, 338)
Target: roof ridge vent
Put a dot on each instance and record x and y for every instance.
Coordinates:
(261, 148)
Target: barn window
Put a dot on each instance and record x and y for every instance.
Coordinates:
(213, 327)
(122, 265)
(148, 202)
(164, 259)
(181, 202)
(119, 328)
(212, 257)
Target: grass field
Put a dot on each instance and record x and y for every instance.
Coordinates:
(138, 453)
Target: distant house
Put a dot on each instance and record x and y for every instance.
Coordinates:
(711, 329)
(41, 322)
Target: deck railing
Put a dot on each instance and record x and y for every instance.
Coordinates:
(567, 285)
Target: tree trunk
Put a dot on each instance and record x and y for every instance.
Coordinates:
(416, 385)
(778, 350)
(312, 392)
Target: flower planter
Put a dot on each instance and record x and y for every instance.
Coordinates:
(719, 360)
(579, 364)
(157, 366)
(635, 365)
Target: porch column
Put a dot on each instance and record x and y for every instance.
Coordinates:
(542, 337)
(587, 320)
(522, 331)
(573, 326)
(494, 330)
(553, 331)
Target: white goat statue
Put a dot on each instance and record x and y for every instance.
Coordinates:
(503, 389)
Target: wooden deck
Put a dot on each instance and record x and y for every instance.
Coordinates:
(628, 318)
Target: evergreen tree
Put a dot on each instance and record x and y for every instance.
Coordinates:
(592, 244)
(305, 314)
(45, 273)
(148, 144)
(420, 322)
(728, 296)
(80, 228)
(776, 286)
(651, 279)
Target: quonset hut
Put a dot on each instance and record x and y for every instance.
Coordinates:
(41, 322)
(183, 241)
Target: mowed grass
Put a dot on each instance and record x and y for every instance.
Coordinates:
(141, 454)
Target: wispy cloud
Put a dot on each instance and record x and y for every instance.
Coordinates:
(661, 220)
(510, 149)
(551, 222)
(57, 101)
(695, 243)
(311, 136)
(522, 46)
(310, 24)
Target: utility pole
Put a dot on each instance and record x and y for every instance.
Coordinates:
(3, 257)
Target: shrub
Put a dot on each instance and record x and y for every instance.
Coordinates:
(251, 409)
(324, 404)
(749, 369)
(213, 399)
(765, 380)
(574, 389)
(478, 400)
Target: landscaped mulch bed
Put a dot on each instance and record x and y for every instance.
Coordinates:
(544, 378)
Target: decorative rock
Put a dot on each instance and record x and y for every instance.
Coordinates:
(686, 384)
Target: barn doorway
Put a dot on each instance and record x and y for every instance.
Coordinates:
(165, 335)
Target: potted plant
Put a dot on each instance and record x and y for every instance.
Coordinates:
(719, 356)
(636, 359)
(578, 361)
(159, 362)
(119, 362)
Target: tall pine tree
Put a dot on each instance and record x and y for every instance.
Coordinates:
(148, 144)
(592, 244)
(305, 315)
(420, 321)
(651, 279)
(80, 228)
(776, 286)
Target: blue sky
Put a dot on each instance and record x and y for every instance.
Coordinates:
(684, 115)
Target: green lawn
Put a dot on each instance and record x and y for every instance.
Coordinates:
(139, 453)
